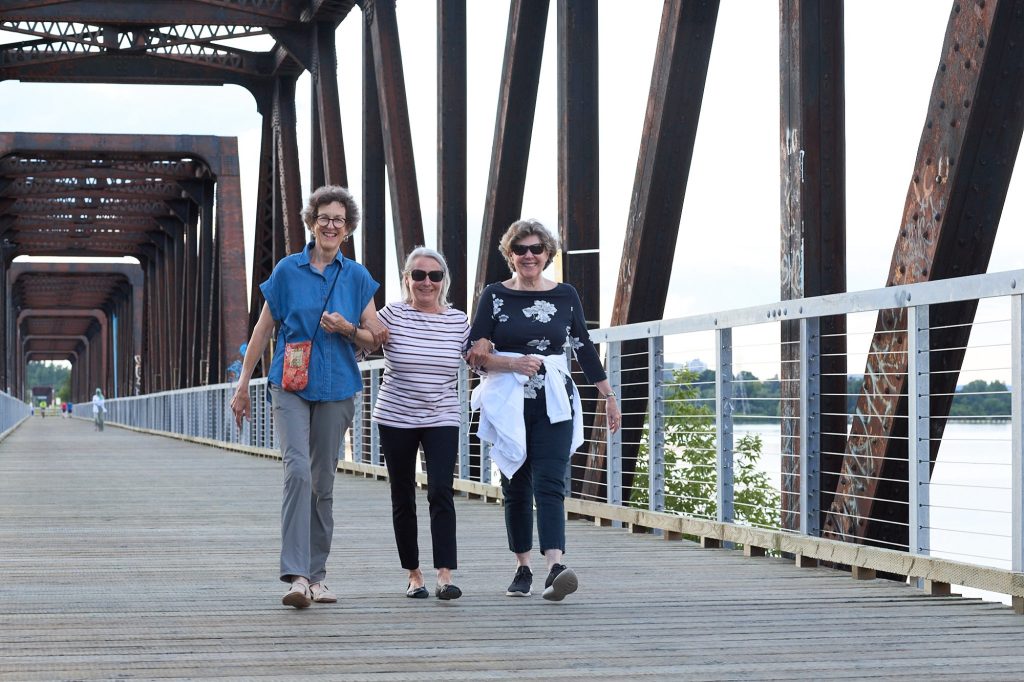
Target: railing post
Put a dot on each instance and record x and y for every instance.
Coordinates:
(810, 426)
(1017, 434)
(613, 462)
(918, 431)
(567, 477)
(723, 425)
(374, 433)
(465, 416)
(485, 463)
(356, 429)
(656, 440)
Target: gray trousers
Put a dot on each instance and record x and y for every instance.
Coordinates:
(311, 436)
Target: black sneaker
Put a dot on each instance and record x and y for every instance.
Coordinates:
(520, 586)
(560, 583)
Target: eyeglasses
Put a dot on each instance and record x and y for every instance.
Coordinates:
(535, 249)
(324, 221)
(420, 275)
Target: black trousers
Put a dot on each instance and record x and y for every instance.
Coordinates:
(440, 450)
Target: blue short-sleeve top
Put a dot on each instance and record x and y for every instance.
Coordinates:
(296, 293)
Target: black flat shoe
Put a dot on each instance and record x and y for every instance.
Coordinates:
(417, 592)
(448, 592)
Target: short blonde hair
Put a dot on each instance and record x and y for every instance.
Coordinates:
(446, 283)
(328, 194)
(525, 228)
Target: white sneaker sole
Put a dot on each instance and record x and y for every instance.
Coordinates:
(564, 584)
(518, 594)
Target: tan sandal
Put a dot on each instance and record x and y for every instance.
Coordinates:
(322, 594)
(298, 596)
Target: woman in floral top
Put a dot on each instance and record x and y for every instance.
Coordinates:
(521, 331)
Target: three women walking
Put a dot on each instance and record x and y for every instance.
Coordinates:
(529, 406)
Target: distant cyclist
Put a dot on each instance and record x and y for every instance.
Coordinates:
(98, 410)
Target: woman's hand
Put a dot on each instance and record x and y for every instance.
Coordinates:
(377, 329)
(527, 365)
(335, 323)
(478, 353)
(241, 405)
(613, 414)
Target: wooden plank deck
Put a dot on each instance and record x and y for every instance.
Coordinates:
(131, 556)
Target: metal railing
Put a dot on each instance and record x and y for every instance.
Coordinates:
(12, 412)
(724, 424)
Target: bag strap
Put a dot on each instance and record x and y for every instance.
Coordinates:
(328, 300)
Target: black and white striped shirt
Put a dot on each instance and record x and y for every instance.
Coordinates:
(421, 367)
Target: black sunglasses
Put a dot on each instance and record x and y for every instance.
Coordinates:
(420, 275)
(521, 249)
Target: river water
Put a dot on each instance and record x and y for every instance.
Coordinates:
(969, 510)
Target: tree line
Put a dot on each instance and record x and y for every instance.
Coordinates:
(755, 397)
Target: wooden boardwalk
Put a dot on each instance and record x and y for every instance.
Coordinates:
(130, 556)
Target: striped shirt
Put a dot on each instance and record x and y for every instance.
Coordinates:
(421, 367)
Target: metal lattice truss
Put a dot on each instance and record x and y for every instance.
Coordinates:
(60, 202)
(80, 40)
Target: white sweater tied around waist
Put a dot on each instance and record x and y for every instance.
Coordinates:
(499, 397)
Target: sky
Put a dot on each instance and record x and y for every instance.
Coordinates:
(727, 254)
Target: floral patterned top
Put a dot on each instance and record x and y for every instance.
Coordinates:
(536, 323)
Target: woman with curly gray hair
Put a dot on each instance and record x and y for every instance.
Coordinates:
(529, 405)
(316, 294)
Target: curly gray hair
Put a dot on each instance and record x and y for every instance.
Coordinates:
(328, 194)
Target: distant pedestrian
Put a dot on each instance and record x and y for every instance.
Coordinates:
(64, 410)
(98, 410)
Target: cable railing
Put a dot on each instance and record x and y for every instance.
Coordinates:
(12, 412)
(795, 428)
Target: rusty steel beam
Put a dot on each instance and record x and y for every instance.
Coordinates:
(325, 88)
(374, 206)
(513, 132)
(263, 240)
(230, 305)
(578, 153)
(960, 178)
(578, 177)
(286, 163)
(666, 149)
(394, 112)
(451, 145)
(813, 248)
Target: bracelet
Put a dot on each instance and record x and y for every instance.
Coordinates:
(352, 335)
(609, 394)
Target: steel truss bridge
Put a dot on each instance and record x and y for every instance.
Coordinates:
(173, 203)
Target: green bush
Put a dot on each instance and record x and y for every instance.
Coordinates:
(690, 475)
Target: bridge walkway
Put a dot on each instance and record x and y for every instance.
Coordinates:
(131, 556)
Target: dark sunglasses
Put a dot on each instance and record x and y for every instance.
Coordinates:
(420, 275)
(521, 249)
